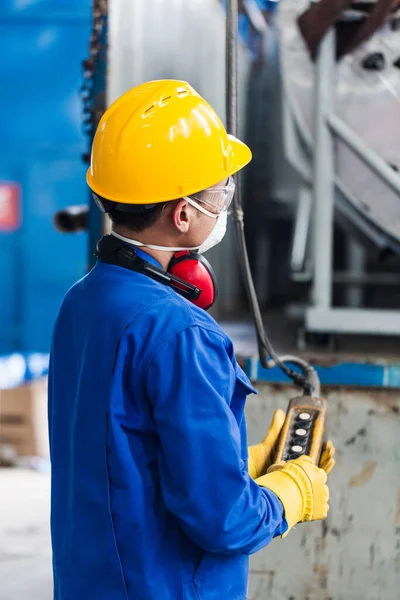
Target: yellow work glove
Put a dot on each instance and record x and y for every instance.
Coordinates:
(327, 462)
(301, 487)
(261, 455)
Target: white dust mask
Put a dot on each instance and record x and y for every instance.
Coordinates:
(217, 234)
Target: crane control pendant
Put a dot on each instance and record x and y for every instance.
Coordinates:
(303, 429)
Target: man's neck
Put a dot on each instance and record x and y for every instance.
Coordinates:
(161, 256)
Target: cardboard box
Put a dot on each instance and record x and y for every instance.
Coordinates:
(23, 419)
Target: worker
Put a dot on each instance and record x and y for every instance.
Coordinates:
(153, 496)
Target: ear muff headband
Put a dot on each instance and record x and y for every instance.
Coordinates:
(197, 280)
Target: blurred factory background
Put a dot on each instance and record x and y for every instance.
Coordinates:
(45, 139)
(322, 218)
(41, 168)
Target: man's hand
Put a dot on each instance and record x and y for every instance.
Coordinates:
(301, 487)
(327, 462)
(261, 455)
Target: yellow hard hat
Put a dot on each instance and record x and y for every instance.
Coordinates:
(161, 141)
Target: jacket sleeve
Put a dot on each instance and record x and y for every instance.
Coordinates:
(190, 382)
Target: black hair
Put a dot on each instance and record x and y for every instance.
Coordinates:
(137, 217)
(137, 221)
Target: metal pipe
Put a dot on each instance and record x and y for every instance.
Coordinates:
(256, 17)
(356, 260)
(301, 227)
(360, 148)
(232, 24)
(232, 125)
(95, 217)
(351, 278)
(324, 173)
(345, 200)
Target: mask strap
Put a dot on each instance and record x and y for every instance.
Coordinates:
(151, 246)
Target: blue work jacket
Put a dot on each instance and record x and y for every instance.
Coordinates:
(150, 499)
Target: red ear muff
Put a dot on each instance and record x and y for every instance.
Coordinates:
(197, 271)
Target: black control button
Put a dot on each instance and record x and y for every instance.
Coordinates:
(299, 440)
(303, 424)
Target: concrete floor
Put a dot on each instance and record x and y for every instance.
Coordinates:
(25, 557)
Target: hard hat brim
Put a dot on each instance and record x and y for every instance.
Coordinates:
(239, 156)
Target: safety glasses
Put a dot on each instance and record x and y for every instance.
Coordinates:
(213, 201)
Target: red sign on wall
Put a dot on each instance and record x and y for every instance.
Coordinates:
(10, 206)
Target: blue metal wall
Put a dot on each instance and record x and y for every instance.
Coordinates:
(42, 44)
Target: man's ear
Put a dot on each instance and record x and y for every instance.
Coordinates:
(181, 215)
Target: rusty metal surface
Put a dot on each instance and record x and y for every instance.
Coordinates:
(355, 553)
